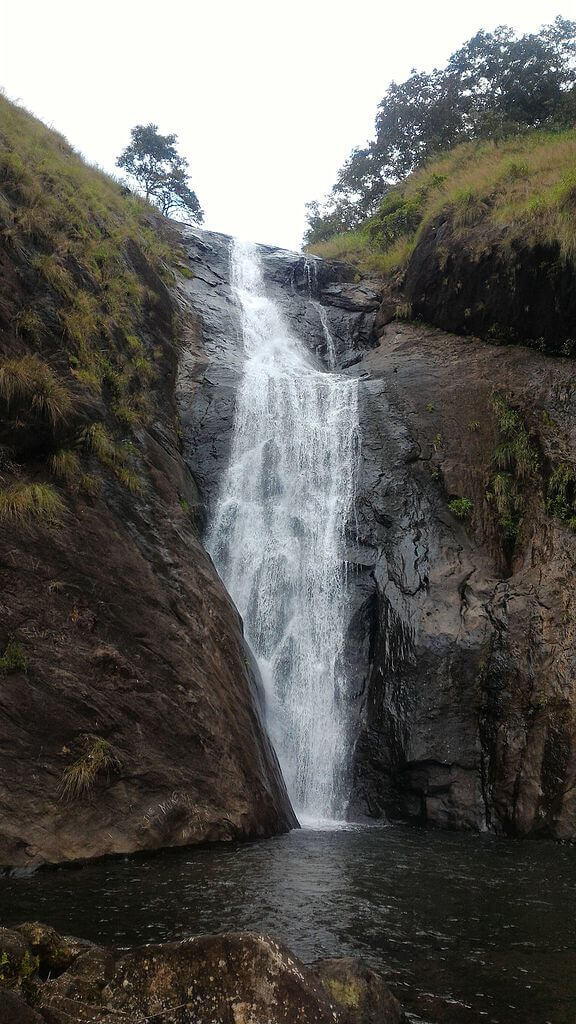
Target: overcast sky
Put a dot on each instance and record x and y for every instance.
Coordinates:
(267, 97)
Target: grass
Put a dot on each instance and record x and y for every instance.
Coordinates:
(65, 464)
(98, 760)
(71, 232)
(561, 494)
(27, 503)
(14, 658)
(117, 456)
(515, 462)
(31, 384)
(525, 186)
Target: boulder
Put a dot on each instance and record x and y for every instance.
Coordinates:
(232, 978)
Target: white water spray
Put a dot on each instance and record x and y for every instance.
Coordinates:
(278, 538)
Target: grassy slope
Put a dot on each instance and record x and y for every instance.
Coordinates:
(83, 264)
(526, 184)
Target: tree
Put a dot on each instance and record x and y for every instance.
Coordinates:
(160, 172)
(496, 84)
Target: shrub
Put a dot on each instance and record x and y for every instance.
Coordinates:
(14, 658)
(98, 760)
(31, 384)
(460, 508)
(23, 503)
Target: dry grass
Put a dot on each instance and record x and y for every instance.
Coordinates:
(32, 384)
(98, 760)
(525, 184)
(25, 503)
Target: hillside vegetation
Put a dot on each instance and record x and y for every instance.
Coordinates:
(525, 186)
(83, 264)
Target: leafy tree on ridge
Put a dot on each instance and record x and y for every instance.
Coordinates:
(160, 172)
(498, 83)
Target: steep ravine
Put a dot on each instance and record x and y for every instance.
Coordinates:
(461, 644)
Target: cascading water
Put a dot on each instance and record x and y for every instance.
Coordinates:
(277, 538)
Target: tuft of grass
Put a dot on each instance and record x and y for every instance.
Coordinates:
(31, 384)
(515, 451)
(461, 508)
(116, 456)
(14, 658)
(98, 760)
(25, 503)
(66, 465)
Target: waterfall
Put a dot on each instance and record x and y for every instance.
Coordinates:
(277, 538)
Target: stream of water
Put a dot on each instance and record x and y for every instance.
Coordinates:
(277, 538)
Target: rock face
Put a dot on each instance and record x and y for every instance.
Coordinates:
(508, 293)
(461, 642)
(132, 719)
(234, 978)
(470, 702)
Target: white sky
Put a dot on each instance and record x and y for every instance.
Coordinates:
(267, 97)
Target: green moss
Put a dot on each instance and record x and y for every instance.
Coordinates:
(85, 240)
(345, 993)
(30, 385)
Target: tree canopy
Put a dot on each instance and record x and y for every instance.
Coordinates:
(498, 83)
(160, 172)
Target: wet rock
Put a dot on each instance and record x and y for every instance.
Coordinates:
(13, 1010)
(467, 718)
(360, 993)
(461, 664)
(357, 298)
(233, 978)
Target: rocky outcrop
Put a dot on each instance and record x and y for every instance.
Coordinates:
(461, 643)
(130, 717)
(477, 281)
(470, 710)
(233, 978)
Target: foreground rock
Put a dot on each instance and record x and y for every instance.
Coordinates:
(234, 978)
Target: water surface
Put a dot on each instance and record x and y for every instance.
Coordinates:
(467, 928)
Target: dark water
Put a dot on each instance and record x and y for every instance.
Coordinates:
(467, 928)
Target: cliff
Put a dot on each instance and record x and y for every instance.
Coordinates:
(460, 639)
(129, 706)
